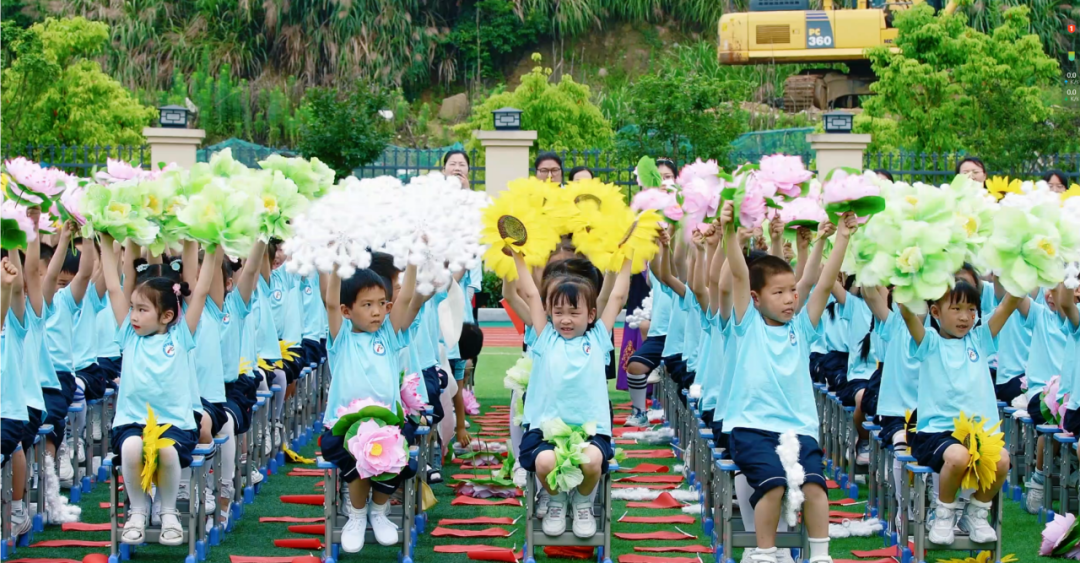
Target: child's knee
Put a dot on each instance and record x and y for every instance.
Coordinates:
(596, 461)
(168, 456)
(1003, 463)
(814, 492)
(956, 454)
(545, 462)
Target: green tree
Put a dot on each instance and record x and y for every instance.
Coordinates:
(488, 34)
(54, 93)
(344, 129)
(952, 88)
(678, 115)
(562, 114)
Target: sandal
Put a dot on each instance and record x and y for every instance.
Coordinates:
(134, 531)
(172, 533)
(434, 477)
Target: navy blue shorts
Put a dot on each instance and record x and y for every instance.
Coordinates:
(533, 444)
(435, 380)
(111, 367)
(890, 426)
(292, 367)
(929, 448)
(849, 388)
(754, 451)
(11, 436)
(30, 429)
(829, 368)
(216, 411)
(240, 398)
(94, 379)
(873, 390)
(1009, 390)
(720, 440)
(311, 352)
(650, 353)
(185, 440)
(335, 451)
(1034, 409)
(56, 407)
(67, 386)
(1071, 422)
(676, 368)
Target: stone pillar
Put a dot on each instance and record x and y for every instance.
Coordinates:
(836, 150)
(506, 157)
(169, 145)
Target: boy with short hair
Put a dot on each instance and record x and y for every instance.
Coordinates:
(775, 395)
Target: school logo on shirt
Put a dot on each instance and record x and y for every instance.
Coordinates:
(307, 290)
(973, 355)
(794, 339)
(586, 348)
(225, 319)
(277, 295)
(169, 350)
(378, 348)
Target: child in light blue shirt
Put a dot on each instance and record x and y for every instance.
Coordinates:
(363, 351)
(15, 416)
(954, 377)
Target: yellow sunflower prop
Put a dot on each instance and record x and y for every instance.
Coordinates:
(984, 450)
(983, 557)
(619, 237)
(999, 186)
(295, 457)
(267, 367)
(286, 351)
(245, 366)
(584, 202)
(1073, 191)
(152, 442)
(515, 222)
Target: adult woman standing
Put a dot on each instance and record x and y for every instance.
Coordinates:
(456, 164)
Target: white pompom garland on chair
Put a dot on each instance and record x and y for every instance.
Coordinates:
(788, 451)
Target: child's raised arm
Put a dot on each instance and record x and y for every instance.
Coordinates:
(513, 300)
(699, 264)
(716, 266)
(803, 237)
(250, 272)
(668, 268)
(118, 295)
(914, 324)
(8, 273)
(333, 304)
(18, 297)
(32, 264)
(619, 293)
(740, 273)
(197, 302)
(87, 257)
(48, 285)
(410, 299)
(527, 290)
(1066, 303)
(820, 296)
(812, 272)
(605, 290)
(877, 300)
(189, 264)
(776, 237)
(1002, 313)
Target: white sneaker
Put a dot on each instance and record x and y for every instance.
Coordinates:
(1034, 500)
(352, 535)
(209, 502)
(976, 522)
(256, 477)
(637, 418)
(95, 428)
(386, 533)
(654, 377)
(20, 522)
(862, 454)
(555, 520)
(80, 448)
(784, 556)
(584, 521)
(278, 431)
(67, 470)
(184, 492)
(542, 503)
(752, 555)
(267, 442)
(940, 524)
(520, 476)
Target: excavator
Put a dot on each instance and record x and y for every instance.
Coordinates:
(789, 32)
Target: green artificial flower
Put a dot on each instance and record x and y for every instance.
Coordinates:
(1025, 249)
(280, 203)
(118, 209)
(313, 179)
(570, 445)
(221, 215)
(517, 377)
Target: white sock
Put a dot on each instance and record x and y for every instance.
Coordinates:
(131, 454)
(279, 398)
(228, 450)
(638, 389)
(17, 506)
(819, 547)
(898, 476)
(743, 492)
(980, 504)
(591, 497)
(168, 475)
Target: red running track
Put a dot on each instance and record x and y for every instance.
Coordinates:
(507, 336)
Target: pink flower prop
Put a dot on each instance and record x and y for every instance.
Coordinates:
(848, 187)
(46, 224)
(472, 406)
(707, 174)
(118, 171)
(786, 173)
(487, 491)
(482, 460)
(11, 210)
(71, 199)
(653, 198)
(357, 405)
(1050, 393)
(30, 176)
(673, 212)
(802, 209)
(378, 450)
(1055, 532)
(701, 198)
(410, 394)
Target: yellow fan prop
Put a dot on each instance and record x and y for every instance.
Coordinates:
(998, 186)
(983, 557)
(295, 457)
(152, 442)
(984, 448)
(620, 236)
(516, 222)
(286, 351)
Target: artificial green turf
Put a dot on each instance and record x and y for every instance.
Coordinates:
(1021, 530)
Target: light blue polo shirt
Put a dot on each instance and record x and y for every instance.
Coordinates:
(570, 380)
(84, 330)
(314, 310)
(858, 316)
(660, 318)
(208, 367)
(954, 376)
(365, 366)
(157, 371)
(1047, 353)
(108, 346)
(230, 329)
(771, 388)
(673, 345)
(1014, 345)
(711, 362)
(692, 332)
(13, 398)
(900, 370)
(266, 334)
(1073, 368)
(428, 335)
(37, 349)
(58, 330)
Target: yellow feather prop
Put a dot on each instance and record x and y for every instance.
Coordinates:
(287, 354)
(295, 457)
(984, 451)
(152, 442)
(268, 367)
(245, 366)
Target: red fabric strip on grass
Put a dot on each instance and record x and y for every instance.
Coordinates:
(479, 520)
(650, 454)
(71, 543)
(675, 549)
(291, 519)
(652, 479)
(665, 500)
(634, 558)
(654, 536)
(680, 519)
(645, 468)
(251, 559)
(85, 527)
(313, 500)
(441, 532)
(469, 501)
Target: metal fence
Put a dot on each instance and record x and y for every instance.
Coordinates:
(80, 160)
(939, 168)
(404, 163)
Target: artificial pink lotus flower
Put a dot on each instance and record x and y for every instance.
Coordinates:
(118, 171)
(378, 450)
(472, 406)
(701, 198)
(46, 224)
(30, 176)
(848, 187)
(1055, 532)
(785, 173)
(1050, 393)
(802, 209)
(653, 198)
(71, 200)
(487, 491)
(708, 172)
(358, 404)
(11, 210)
(410, 394)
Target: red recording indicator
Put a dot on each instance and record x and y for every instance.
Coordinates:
(1072, 28)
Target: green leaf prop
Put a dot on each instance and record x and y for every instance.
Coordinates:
(570, 445)
(12, 236)
(373, 412)
(862, 207)
(648, 174)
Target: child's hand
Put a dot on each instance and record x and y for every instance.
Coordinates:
(744, 235)
(34, 213)
(776, 228)
(727, 214)
(7, 272)
(699, 239)
(712, 235)
(826, 229)
(849, 223)
(803, 238)
(68, 228)
(463, 437)
(664, 238)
